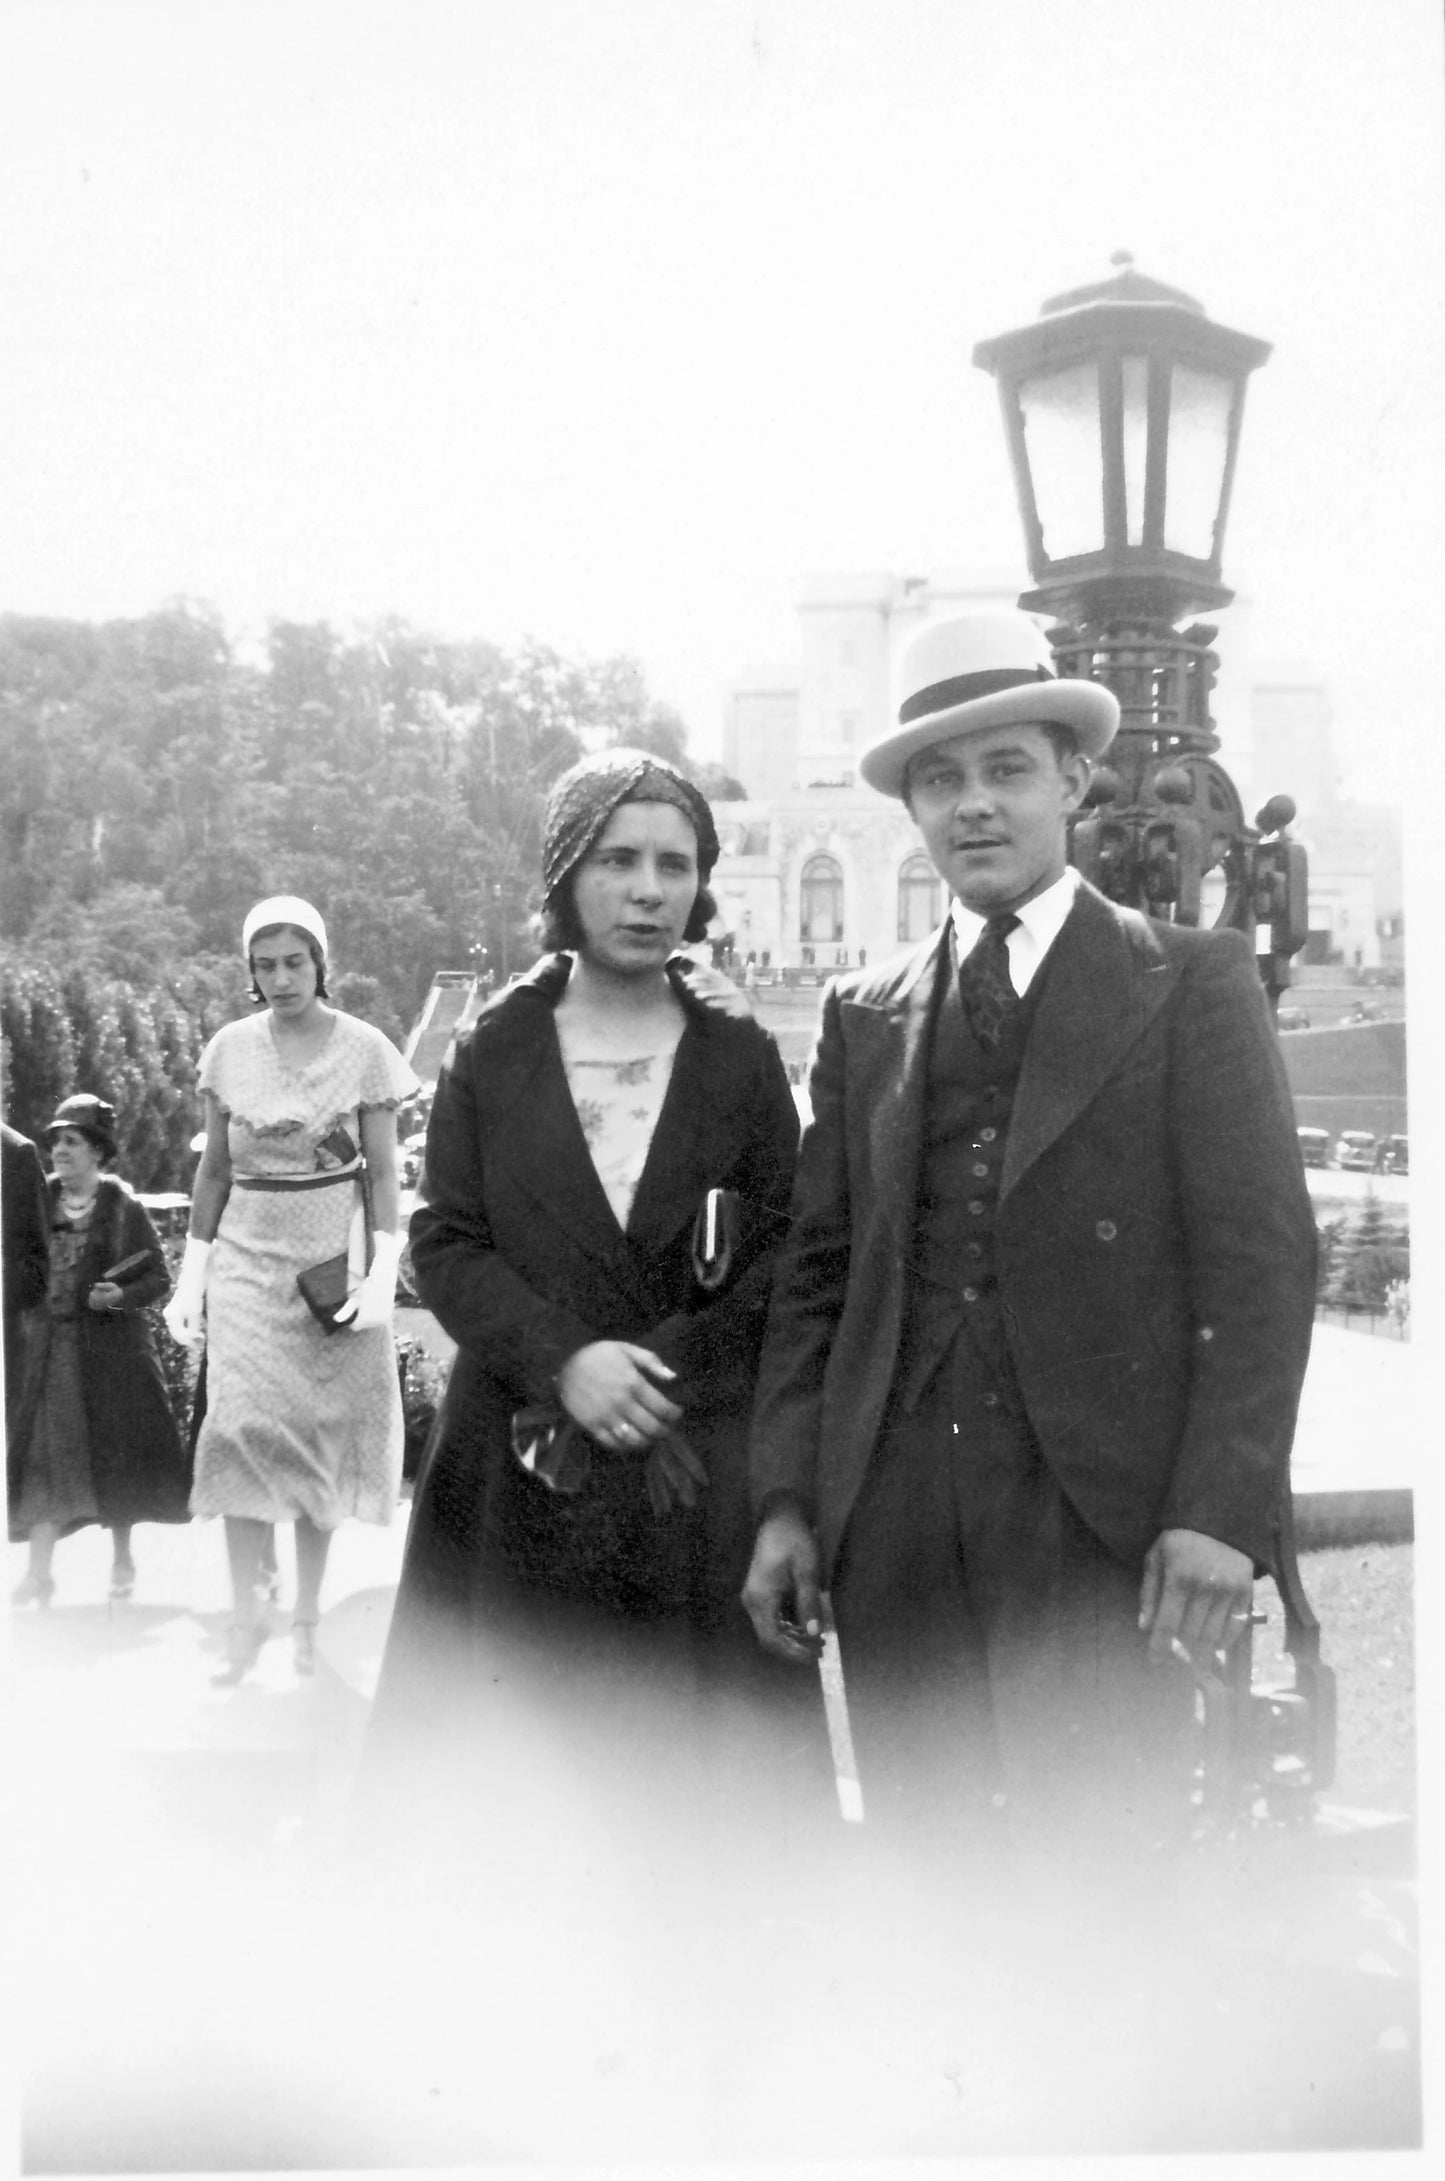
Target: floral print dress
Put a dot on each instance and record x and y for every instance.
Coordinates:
(298, 1421)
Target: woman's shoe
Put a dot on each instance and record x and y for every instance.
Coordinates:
(122, 1579)
(33, 1589)
(303, 1639)
(244, 1640)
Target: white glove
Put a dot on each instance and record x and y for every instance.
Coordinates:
(184, 1313)
(371, 1304)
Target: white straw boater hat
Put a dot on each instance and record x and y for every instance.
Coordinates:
(983, 670)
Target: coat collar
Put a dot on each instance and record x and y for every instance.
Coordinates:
(705, 1097)
(1105, 977)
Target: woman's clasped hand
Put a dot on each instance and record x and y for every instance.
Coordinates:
(613, 1388)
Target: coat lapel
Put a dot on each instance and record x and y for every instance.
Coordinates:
(697, 1133)
(887, 1040)
(535, 1126)
(1105, 981)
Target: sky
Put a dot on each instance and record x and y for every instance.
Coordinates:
(610, 323)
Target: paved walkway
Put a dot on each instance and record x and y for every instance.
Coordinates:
(191, 1948)
(136, 1677)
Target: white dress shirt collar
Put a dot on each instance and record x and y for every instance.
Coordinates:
(1039, 923)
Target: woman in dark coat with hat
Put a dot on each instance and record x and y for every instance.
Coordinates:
(94, 1439)
(608, 1167)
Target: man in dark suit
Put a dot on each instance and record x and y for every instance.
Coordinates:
(1036, 1343)
(27, 1243)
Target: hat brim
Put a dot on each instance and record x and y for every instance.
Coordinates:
(1087, 710)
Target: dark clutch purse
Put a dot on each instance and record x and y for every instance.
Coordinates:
(131, 1268)
(324, 1288)
(716, 1233)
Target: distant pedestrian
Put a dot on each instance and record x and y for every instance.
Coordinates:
(303, 1423)
(93, 1438)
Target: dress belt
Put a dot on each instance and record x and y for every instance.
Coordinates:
(296, 1181)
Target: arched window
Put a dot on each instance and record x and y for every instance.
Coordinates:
(821, 917)
(920, 899)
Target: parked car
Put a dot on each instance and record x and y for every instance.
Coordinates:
(1314, 1146)
(1357, 1151)
(1393, 1155)
(1292, 1018)
(1366, 1011)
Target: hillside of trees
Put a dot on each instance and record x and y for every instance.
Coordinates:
(153, 784)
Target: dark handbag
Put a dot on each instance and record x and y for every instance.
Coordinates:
(130, 1268)
(325, 1287)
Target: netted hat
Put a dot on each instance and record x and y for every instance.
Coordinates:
(583, 800)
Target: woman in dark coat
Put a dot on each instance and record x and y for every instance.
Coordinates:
(581, 1526)
(580, 1769)
(94, 1439)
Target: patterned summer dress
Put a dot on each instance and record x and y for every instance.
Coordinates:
(618, 1101)
(298, 1421)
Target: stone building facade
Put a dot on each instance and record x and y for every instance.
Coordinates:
(817, 871)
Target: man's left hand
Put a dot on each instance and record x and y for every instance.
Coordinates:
(1196, 1596)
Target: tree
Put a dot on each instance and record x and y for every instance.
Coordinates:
(39, 1045)
(1373, 1257)
(153, 786)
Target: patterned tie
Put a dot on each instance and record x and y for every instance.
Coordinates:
(989, 998)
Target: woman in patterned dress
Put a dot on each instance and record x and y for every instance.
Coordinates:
(92, 1437)
(301, 1424)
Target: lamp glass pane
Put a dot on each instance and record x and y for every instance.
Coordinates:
(1060, 411)
(1135, 373)
(1199, 406)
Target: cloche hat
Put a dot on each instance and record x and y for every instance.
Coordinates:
(983, 670)
(90, 1116)
(283, 909)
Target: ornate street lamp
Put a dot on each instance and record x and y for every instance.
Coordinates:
(1122, 404)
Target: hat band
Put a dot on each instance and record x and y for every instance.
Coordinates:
(963, 688)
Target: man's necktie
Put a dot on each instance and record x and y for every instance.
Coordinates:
(989, 998)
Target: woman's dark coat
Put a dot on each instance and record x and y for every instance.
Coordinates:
(138, 1466)
(517, 1252)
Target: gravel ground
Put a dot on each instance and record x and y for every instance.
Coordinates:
(1363, 1597)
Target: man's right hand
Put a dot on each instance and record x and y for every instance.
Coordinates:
(782, 1594)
